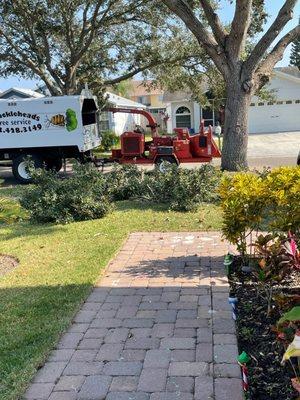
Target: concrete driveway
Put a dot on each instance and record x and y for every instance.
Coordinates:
(282, 144)
(273, 149)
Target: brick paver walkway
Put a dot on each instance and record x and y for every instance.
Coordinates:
(157, 326)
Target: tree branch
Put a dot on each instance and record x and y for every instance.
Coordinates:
(239, 28)
(283, 17)
(205, 39)
(265, 69)
(214, 21)
(129, 74)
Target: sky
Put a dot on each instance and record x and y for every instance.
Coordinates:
(225, 12)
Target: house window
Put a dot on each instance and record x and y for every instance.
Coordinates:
(261, 104)
(104, 121)
(279, 103)
(144, 100)
(252, 104)
(183, 117)
(270, 103)
(297, 102)
(289, 102)
(157, 110)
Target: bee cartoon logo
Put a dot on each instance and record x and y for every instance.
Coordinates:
(69, 120)
(56, 120)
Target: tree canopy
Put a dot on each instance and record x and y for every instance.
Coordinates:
(66, 43)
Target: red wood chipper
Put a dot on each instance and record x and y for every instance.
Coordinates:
(178, 148)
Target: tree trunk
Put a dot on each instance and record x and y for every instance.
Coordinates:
(235, 135)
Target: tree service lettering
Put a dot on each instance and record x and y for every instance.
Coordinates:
(8, 114)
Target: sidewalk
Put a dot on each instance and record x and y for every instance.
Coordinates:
(157, 326)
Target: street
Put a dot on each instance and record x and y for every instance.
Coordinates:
(264, 150)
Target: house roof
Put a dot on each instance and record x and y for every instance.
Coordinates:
(293, 71)
(184, 95)
(176, 96)
(22, 91)
(139, 88)
(119, 101)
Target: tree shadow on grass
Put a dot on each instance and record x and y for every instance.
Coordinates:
(140, 204)
(31, 322)
(28, 229)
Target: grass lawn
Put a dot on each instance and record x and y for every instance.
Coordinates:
(58, 266)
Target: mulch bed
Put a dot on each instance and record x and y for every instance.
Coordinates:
(268, 379)
(7, 264)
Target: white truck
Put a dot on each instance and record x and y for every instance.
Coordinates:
(49, 130)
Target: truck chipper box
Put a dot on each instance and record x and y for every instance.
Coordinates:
(48, 129)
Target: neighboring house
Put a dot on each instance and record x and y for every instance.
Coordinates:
(19, 93)
(282, 114)
(120, 122)
(152, 98)
(182, 112)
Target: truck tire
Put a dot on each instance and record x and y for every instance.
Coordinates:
(19, 167)
(54, 164)
(163, 162)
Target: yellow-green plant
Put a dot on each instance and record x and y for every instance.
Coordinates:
(282, 186)
(243, 201)
(248, 199)
(290, 322)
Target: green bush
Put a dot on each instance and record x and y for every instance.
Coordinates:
(282, 187)
(269, 201)
(109, 140)
(81, 197)
(124, 182)
(182, 189)
(243, 201)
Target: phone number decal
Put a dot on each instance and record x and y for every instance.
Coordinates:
(23, 129)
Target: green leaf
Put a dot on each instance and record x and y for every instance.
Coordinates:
(291, 316)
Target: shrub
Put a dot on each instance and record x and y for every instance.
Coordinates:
(109, 140)
(243, 201)
(282, 187)
(250, 201)
(124, 182)
(80, 197)
(277, 258)
(182, 189)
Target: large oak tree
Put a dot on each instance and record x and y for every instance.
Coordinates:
(66, 43)
(244, 73)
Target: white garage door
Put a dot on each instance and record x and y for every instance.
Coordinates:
(281, 116)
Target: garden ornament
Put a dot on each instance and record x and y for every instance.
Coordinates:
(228, 260)
(243, 360)
(232, 301)
(247, 269)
